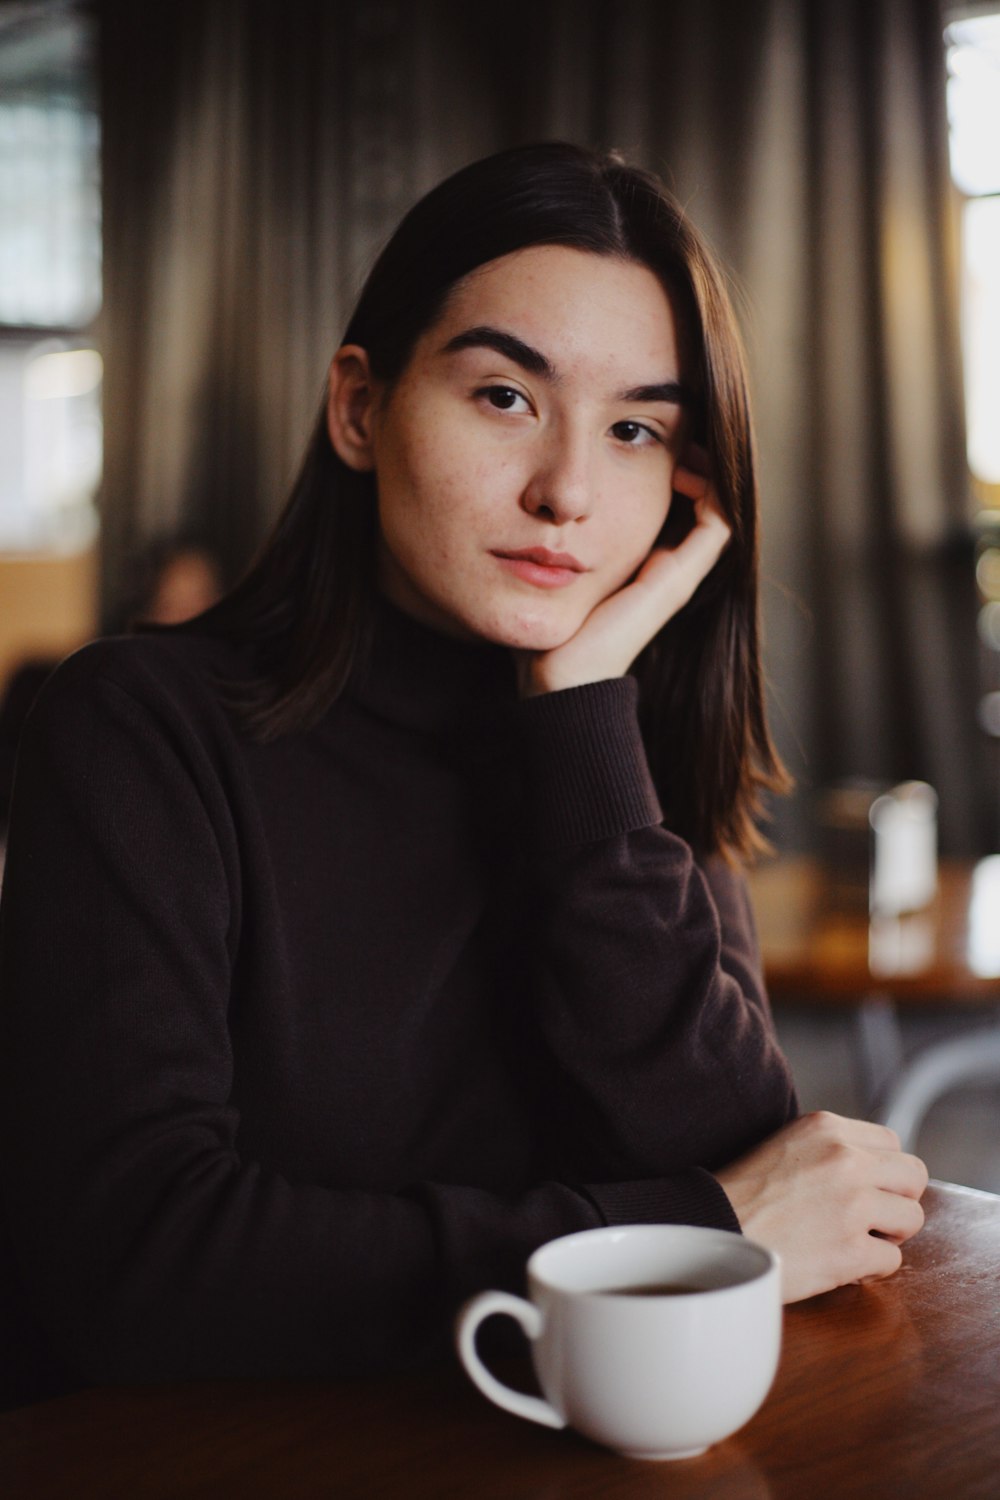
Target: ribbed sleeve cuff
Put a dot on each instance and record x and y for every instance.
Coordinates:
(691, 1197)
(586, 770)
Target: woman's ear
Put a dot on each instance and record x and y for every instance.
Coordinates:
(350, 407)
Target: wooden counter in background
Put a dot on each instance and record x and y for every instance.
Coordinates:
(48, 605)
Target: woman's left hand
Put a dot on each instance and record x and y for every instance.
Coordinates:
(614, 633)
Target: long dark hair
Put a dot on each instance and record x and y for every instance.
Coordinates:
(307, 599)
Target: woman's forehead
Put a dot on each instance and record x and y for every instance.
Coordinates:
(580, 310)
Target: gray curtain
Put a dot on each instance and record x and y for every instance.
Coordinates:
(256, 154)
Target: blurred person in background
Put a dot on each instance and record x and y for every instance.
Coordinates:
(174, 579)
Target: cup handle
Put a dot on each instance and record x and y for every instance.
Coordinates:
(530, 1319)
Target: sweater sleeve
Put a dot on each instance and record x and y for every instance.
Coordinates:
(648, 983)
(150, 1245)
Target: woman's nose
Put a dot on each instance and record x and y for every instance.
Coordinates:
(561, 487)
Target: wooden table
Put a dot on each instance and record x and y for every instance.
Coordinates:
(816, 944)
(883, 1391)
(820, 951)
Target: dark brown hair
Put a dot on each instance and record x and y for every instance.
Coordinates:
(307, 599)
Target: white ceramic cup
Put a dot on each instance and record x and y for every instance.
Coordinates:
(650, 1374)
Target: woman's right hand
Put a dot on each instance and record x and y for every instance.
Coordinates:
(834, 1197)
(613, 635)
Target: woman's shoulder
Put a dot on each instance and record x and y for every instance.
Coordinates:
(168, 659)
(173, 673)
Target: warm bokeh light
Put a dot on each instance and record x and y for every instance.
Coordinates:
(62, 444)
(63, 374)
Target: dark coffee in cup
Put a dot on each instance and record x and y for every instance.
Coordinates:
(654, 1289)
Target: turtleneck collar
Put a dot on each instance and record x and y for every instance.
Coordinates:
(423, 679)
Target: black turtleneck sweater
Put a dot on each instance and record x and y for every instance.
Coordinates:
(302, 1043)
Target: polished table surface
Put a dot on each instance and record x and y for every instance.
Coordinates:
(883, 1390)
(822, 948)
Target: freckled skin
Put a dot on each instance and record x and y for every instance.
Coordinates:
(459, 478)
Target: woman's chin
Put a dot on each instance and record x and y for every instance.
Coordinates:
(531, 633)
(521, 625)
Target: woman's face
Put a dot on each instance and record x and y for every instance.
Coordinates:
(523, 461)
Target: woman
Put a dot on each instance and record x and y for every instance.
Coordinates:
(386, 922)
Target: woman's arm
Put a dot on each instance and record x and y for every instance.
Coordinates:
(649, 988)
(650, 997)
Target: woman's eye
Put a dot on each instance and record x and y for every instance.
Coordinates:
(503, 398)
(634, 434)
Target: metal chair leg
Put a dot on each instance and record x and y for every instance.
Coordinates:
(878, 1048)
(943, 1066)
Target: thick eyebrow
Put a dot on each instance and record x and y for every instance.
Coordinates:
(671, 391)
(535, 362)
(507, 344)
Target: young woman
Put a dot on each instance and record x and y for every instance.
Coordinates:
(387, 921)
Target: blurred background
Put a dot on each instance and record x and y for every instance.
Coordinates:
(191, 192)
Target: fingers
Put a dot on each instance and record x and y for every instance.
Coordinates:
(895, 1217)
(899, 1172)
(697, 487)
(691, 478)
(705, 542)
(883, 1259)
(864, 1152)
(688, 482)
(836, 1197)
(893, 1170)
(670, 576)
(693, 465)
(667, 579)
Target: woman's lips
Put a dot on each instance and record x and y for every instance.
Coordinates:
(545, 569)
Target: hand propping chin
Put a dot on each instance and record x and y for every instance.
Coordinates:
(615, 632)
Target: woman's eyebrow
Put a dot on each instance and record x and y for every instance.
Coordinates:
(507, 344)
(668, 390)
(483, 336)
